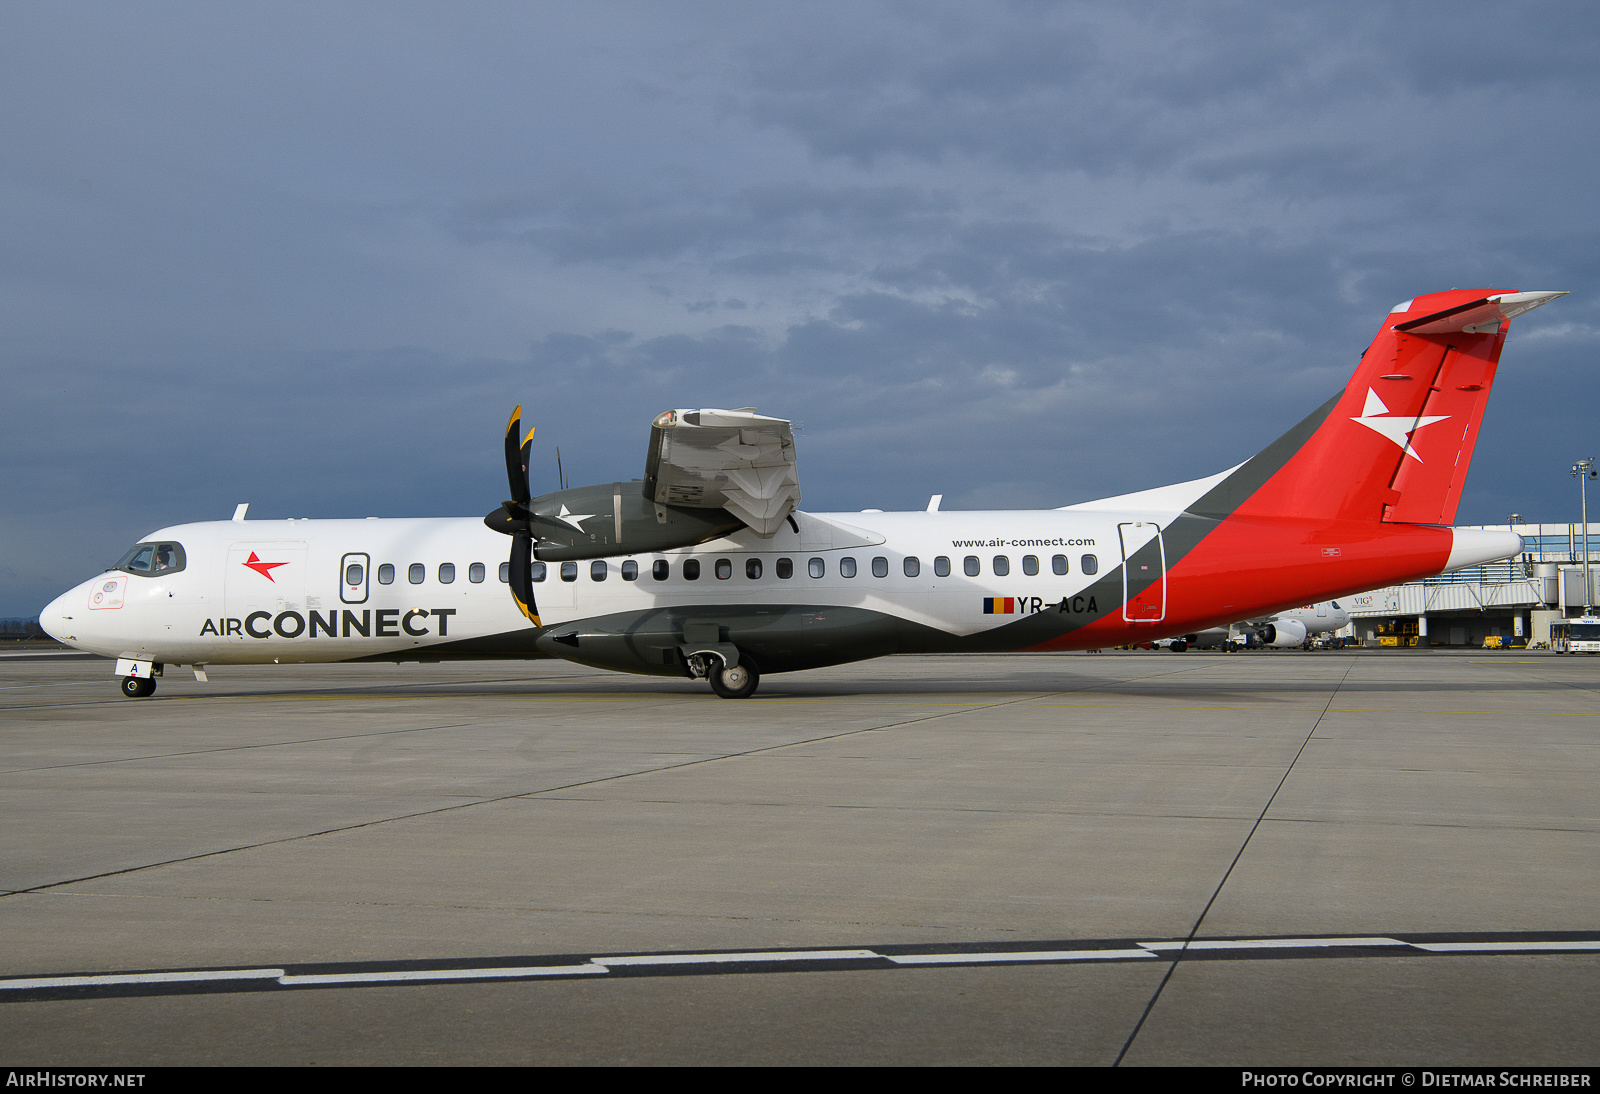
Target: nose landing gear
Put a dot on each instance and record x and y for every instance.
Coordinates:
(135, 687)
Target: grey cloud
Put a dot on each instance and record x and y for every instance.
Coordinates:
(737, 229)
(767, 263)
(1312, 99)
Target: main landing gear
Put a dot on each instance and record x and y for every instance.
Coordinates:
(137, 687)
(738, 682)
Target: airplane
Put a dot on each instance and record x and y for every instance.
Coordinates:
(1286, 630)
(708, 569)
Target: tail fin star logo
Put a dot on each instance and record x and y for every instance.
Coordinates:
(1398, 428)
(263, 568)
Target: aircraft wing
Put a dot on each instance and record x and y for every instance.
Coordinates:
(736, 460)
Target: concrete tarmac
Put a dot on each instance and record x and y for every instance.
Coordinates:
(1007, 859)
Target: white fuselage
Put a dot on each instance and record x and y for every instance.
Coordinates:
(219, 609)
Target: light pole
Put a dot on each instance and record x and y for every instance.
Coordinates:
(1512, 520)
(1583, 471)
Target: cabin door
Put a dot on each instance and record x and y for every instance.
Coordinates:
(1144, 572)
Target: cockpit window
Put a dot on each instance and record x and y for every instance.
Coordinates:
(150, 559)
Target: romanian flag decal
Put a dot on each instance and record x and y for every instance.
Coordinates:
(999, 605)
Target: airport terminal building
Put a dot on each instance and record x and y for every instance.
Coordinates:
(1515, 601)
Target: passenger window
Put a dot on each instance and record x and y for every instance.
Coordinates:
(970, 567)
(505, 573)
(630, 570)
(659, 569)
(597, 570)
(911, 566)
(536, 572)
(1089, 564)
(447, 573)
(847, 567)
(475, 573)
(1002, 565)
(416, 572)
(724, 569)
(785, 568)
(569, 571)
(941, 566)
(354, 573)
(816, 567)
(752, 568)
(880, 567)
(1058, 564)
(691, 569)
(1030, 564)
(386, 574)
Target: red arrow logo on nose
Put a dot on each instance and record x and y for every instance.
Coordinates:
(262, 568)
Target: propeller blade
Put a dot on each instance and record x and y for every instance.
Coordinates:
(514, 519)
(522, 576)
(517, 458)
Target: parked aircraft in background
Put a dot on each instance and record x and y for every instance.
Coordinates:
(707, 568)
(1285, 630)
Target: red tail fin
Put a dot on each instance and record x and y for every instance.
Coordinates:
(1395, 446)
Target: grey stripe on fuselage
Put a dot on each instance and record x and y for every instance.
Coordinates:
(1196, 522)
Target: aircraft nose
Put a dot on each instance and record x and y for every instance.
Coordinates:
(54, 618)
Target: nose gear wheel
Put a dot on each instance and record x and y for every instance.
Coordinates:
(136, 687)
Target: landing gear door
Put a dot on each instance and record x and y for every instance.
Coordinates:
(353, 578)
(1144, 572)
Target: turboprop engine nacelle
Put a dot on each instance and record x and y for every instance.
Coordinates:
(1284, 634)
(611, 519)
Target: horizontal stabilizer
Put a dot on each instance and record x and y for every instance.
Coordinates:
(1482, 316)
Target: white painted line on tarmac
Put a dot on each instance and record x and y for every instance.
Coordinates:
(996, 958)
(1272, 943)
(114, 979)
(27, 687)
(228, 980)
(520, 972)
(728, 958)
(1502, 947)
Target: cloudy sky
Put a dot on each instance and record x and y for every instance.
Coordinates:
(310, 255)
